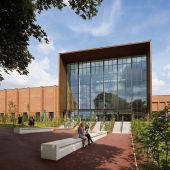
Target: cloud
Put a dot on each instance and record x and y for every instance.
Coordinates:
(62, 50)
(153, 21)
(66, 2)
(167, 67)
(160, 86)
(38, 76)
(45, 48)
(103, 28)
(167, 71)
(161, 61)
(157, 84)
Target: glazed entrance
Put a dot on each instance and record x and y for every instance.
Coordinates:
(107, 116)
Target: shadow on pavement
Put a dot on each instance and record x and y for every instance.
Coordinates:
(22, 152)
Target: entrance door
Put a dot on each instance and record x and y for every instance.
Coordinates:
(123, 117)
(100, 115)
(104, 115)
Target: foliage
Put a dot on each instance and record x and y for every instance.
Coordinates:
(11, 107)
(108, 125)
(18, 24)
(8, 121)
(155, 137)
(12, 110)
(9, 125)
(77, 119)
(110, 100)
(54, 123)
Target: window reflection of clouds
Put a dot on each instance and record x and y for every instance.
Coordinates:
(123, 79)
(84, 85)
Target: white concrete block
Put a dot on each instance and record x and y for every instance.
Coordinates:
(31, 130)
(56, 150)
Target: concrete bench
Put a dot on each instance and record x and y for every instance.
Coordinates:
(56, 150)
(31, 130)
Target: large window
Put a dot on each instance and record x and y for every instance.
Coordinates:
(84, 85)
(72, 87)
(110, 84)
(97, 95)
(124, 84)
(117, 84)
(139, 101)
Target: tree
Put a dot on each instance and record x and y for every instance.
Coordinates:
(17, 25)
(159, 143)
(11, 107)
(111, 101)
(12, 110)
(155, 138)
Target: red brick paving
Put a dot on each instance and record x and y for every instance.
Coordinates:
(22, 152)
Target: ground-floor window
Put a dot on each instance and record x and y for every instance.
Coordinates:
(51, 115)
(1, 114)
(1, 117)
(73, 114)
(37, 116)
(86, 115)
(25, 116)
(103, 115)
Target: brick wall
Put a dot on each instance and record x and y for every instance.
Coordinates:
(2, 101)
(38, 99)
(31, 100)
(159, 102)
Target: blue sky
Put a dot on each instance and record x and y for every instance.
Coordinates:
(118, 22)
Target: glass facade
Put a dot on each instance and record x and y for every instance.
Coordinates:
(109, 86)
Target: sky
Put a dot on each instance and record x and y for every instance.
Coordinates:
(117, 22)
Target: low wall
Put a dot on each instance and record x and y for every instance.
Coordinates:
(56, 150)
(31, 130)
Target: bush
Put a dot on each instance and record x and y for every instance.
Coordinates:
(155, 137)
(108, 125)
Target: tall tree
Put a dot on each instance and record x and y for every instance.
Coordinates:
(17, 25)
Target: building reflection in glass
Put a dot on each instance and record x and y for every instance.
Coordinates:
(107, 86)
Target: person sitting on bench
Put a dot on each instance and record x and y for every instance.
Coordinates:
(31, 122)
(87, 134)
(81, 134)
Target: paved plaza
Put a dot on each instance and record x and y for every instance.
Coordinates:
(22, 152)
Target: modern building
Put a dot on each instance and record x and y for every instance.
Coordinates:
(102, 82)
(107, 81)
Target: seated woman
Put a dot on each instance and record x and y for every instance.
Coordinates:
(87, 134)
(31, 122)
(81, 134)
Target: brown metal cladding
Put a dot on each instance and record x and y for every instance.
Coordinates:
(107, 52)
(62, 86)
(149, 77)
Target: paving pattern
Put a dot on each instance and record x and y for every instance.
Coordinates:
(22, 152)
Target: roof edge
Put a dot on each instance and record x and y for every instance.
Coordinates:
(105, 47)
